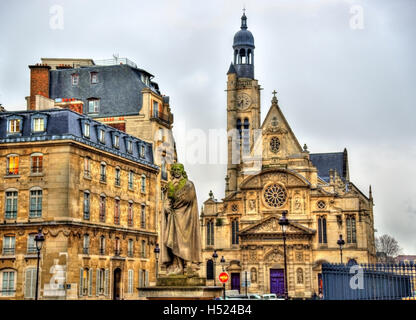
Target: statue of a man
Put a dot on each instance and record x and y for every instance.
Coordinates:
(181, 234)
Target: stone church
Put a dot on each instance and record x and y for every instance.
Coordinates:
(269, 172)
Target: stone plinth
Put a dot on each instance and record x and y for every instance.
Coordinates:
(180, 287)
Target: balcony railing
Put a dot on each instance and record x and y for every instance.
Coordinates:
(10, 214)
(31, 249)
(162, 116)
(8, 251)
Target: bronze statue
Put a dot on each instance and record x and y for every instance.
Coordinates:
(181, 251)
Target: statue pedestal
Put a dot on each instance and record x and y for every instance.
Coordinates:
(180, 287)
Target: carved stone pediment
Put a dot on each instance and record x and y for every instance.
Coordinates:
(270, 226)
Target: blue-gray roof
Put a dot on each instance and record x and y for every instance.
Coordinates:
(119, 88)
(324, 162)
(64, 124)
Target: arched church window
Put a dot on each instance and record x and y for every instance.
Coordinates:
(246, 136)
(274, 144)
(239, 127)
(275, 195)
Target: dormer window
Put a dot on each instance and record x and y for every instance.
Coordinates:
(86, 129)
(75, 79)
(101, 135)
(142, 151)
(38, 125)
(15, 125)
(94, 77)
(129, 146)
(93, 105)
(116, 142)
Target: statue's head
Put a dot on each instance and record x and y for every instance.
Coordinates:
(177, 171)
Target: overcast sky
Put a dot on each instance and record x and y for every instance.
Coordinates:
(342, 81)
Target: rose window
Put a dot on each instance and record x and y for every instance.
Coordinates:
(275, 195)
(274, 144)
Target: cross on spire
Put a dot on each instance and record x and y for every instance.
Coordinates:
(274, 93)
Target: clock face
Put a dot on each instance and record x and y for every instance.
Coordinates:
(243, 101)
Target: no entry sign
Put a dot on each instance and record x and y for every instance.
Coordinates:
(223, 277)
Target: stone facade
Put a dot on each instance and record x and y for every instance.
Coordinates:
(87, 254)
(268, 173)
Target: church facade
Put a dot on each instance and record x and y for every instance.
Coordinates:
(268, 173)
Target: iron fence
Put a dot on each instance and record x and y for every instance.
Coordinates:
(369, 281)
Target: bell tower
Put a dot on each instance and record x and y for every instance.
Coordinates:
(243, 105)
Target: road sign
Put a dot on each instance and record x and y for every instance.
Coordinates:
(223, 277)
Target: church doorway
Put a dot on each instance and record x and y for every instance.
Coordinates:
(235, 281)
(277, 282)
(117, 284)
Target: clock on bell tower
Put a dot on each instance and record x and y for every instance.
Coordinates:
(243, 105)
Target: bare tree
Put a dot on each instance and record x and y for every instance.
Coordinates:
(387, 247)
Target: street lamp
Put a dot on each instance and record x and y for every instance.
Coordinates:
(214, 257)
(39, 239)
(340, 242)
(222, 261)
(284, 222)
(157, 252)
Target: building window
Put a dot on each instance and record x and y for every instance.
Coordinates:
(87, 167)
(9, 243)
(117, 248)
(142, 151)
(86, 205)
(11, 205)
(130, 214)
(35, 207)
(86, 129)
(155, 109)
(94, 77)
(8, 284)
(117, 178)
(351, 229)
(30, 283)
(129, 146)
(14, 126)
(36, 164)
(131, 179)
(210, 233)
(75, 79)
(143, 217)
(103, 172)
(38, 124)
(101, 136)
(143, 251)
(102, 245)
(102, 208)
(100, 282)
(210, 269)
(86, 244)
(116, 141)
(322, 230)
(143, 188)
(130, 281)
(93, 106)
(31, 245)
(234, 232)
(163, 169)
(12, 165)
(117, 211)
(85, 282)
(143, 278)
(130, 248)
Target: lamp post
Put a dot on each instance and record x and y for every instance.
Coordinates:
(157, 252)
(340, 242)
(39, 239)
(222, 261)
(214, 257)
(284, 222)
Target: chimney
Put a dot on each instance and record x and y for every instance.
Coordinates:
(39, 83)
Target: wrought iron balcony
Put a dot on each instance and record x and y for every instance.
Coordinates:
(163, 117)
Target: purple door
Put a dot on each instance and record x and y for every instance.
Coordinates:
(235, 281)
(277, 282)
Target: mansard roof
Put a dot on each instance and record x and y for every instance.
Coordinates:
(64, 124)
(119, 88)
(337, 161)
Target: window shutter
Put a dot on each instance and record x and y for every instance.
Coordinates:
(146, 273)
(130, 285)
(28, 284)
(140, 279)
(106, 282)
(81, 271)
(97, 282)
(90, 282)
